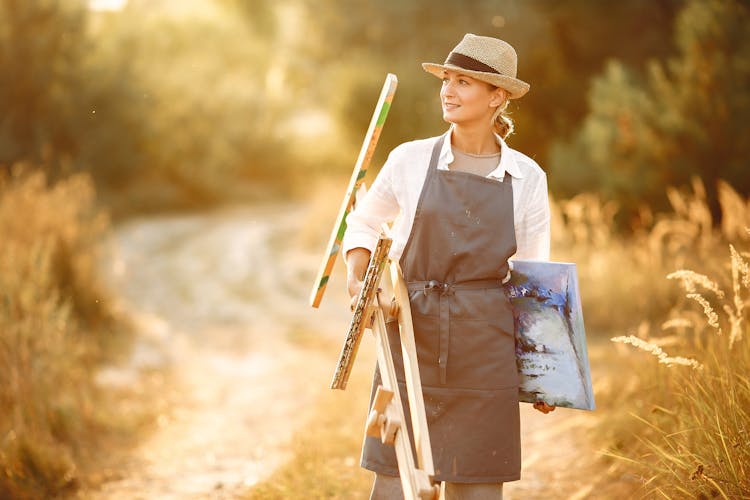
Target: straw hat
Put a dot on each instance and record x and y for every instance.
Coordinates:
(484, 58)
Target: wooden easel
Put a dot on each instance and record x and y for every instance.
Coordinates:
(386, 418)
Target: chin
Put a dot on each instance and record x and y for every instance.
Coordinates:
(449, 118)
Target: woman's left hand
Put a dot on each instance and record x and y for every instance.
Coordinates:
(543, 407)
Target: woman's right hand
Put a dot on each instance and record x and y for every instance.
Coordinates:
(354, 285)
(356, 265)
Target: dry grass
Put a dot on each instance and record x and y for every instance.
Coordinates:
(55, 328)
(622, 275)
(694, 441)
(682, 429)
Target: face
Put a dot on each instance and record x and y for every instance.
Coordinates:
(466, 100)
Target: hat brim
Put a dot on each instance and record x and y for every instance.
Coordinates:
(516, 88)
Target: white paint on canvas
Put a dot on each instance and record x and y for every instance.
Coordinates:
(553, 369)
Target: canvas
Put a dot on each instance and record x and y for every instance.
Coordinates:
(550, 338)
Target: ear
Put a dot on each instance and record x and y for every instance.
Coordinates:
(499, 96)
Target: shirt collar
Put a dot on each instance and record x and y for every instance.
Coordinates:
(507, 160)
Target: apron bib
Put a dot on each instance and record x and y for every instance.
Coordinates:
(454, 263)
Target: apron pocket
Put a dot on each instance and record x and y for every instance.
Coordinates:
(427, 338)
(481, 356)
(474, 434)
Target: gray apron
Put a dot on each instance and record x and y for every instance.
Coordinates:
(453, 263)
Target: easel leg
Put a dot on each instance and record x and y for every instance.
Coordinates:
(415, 482)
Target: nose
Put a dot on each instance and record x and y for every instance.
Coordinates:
(446, 89)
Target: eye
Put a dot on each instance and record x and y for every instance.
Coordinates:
(463, 82)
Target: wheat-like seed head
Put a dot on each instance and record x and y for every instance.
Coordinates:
(677, 323)
(713, 318)
(740, 273)
(657, 351)
(678, 201)
(691, 278)
(735, 212)
(735, 323)
(741, 267)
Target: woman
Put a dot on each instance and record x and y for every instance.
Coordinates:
(463, 204)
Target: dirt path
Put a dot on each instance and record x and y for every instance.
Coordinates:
(220, 302)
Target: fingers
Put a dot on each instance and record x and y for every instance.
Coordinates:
(389, 308)
(393, 309)
(354, 285)
(543, 407)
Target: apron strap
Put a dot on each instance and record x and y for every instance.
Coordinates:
(431, 169)
(449, 288)
(446, 291)
(444, 329)
(436, 153)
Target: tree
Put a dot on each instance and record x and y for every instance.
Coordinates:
(348, 47)
(687, 117)
(42, 44)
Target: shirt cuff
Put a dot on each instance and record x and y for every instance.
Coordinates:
(358, 240)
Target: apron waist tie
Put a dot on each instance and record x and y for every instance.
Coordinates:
(446, 291)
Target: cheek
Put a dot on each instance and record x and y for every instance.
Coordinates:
(483, 99)
(473, 98)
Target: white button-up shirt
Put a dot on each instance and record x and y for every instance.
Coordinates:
(395, 193)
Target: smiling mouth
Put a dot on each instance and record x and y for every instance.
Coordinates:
(448, 105)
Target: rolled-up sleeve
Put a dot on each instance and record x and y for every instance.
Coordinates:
(379, 205)
(533, 237)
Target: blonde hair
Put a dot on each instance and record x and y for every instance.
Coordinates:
(501, 122)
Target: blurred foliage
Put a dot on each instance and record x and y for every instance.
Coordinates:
(204, 101)
(688, 116)
(163, 107)
(560, 47)
(41, 77)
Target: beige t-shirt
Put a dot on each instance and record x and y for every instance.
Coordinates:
(474, 164)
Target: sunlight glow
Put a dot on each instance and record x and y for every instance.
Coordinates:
(107, 4)
(311, 124)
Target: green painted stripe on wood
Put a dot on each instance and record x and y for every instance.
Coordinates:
(383, 113)
(342, 228)
(323, 282)
(361, 175)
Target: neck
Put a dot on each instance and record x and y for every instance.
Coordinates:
(476, 140)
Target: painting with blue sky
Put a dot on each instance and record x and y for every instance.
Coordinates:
(550, 337)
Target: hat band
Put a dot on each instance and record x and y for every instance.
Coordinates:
(469, 63)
